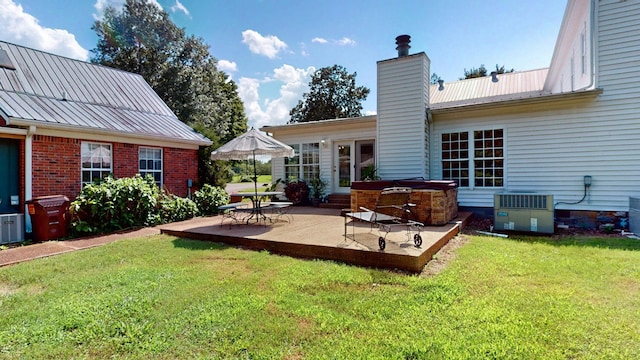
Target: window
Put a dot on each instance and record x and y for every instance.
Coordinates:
(455, 157)
(150, 163)
(479, 162)
(96, 161)
(583, 56)
(305, 164)
(292, 164)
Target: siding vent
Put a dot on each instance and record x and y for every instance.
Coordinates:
(403, 45)
(5, 62)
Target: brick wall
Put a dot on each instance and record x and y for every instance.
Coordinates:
(56, 166)
(179, 165)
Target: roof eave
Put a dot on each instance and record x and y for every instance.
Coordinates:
(447, 108)
(61, 127)
(319, 123)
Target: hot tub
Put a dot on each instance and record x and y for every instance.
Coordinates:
(436, 201)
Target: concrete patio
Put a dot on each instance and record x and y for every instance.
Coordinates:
(320, 234)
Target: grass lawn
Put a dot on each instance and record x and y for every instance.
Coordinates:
(262, 179)
(164, 297)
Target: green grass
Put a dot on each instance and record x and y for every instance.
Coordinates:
(262, 179)
(164, 297)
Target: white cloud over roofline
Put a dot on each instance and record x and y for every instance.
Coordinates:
(294, 82)
(24, 29)
(268, 46)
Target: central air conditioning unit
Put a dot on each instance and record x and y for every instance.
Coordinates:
(11, 228)
(531, 212)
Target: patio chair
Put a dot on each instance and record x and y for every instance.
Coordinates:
(392, 209)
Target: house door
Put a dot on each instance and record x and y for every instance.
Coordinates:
(9, 175)
(343, 166)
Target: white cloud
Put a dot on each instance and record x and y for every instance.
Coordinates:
(101, 5)
(295, 82)
(346, 41)
(180, 7)
(24, 29)
(268, 46)
(227, 66)
(342, 42)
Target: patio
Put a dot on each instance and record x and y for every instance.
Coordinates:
(318, 233)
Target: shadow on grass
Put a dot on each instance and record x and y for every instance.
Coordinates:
(191, 244)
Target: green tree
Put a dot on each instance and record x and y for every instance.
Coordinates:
(434, 78)
(482, 71)
(142, 39)
(332, 94)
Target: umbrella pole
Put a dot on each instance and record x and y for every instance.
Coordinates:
(255, 173)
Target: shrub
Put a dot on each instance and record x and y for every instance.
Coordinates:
(209, 198)
(115, 204)
(175, 208)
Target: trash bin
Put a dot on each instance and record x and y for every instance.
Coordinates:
(48, 217)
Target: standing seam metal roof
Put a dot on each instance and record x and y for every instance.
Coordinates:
(56, 90)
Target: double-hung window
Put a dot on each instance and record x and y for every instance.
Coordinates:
(475, 157)
(305, 164)
(150, 163)
(96, 161)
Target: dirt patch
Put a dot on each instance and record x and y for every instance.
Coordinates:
(442, 258)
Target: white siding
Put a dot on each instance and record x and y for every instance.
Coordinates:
(331, 131)
(403, 97)
(550, 147)
(567, 71)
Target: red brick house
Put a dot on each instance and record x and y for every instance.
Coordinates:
(64, 123)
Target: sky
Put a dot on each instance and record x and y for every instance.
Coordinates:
(270, 48)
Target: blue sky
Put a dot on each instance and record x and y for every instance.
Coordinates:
(270, 47)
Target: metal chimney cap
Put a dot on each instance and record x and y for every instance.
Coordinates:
(403, 45)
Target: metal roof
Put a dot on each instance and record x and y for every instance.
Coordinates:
(55, 91)
(483, 90)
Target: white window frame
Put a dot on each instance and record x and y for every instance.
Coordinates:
(94, 173)
(484, 165)
(155, 171)
(305, 164)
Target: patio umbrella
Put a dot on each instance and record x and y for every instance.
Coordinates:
(250, 144)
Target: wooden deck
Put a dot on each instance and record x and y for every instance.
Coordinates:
(319, 233)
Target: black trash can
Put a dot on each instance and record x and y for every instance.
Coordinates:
(49, 217)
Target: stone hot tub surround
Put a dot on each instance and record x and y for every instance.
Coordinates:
(436, 201)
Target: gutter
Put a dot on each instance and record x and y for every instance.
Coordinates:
(519, 101)
(118, 136)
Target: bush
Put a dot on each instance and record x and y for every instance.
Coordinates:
(115, 204)
(209, 198)
(175, 208)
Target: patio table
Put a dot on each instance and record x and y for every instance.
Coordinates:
(257, 210)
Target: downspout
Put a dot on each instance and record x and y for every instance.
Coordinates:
(28, 174)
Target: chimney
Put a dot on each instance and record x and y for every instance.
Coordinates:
(403, 45)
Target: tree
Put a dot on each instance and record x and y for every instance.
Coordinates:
(332, 94)
(142, 39)
(482, 71)
(434, 78)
